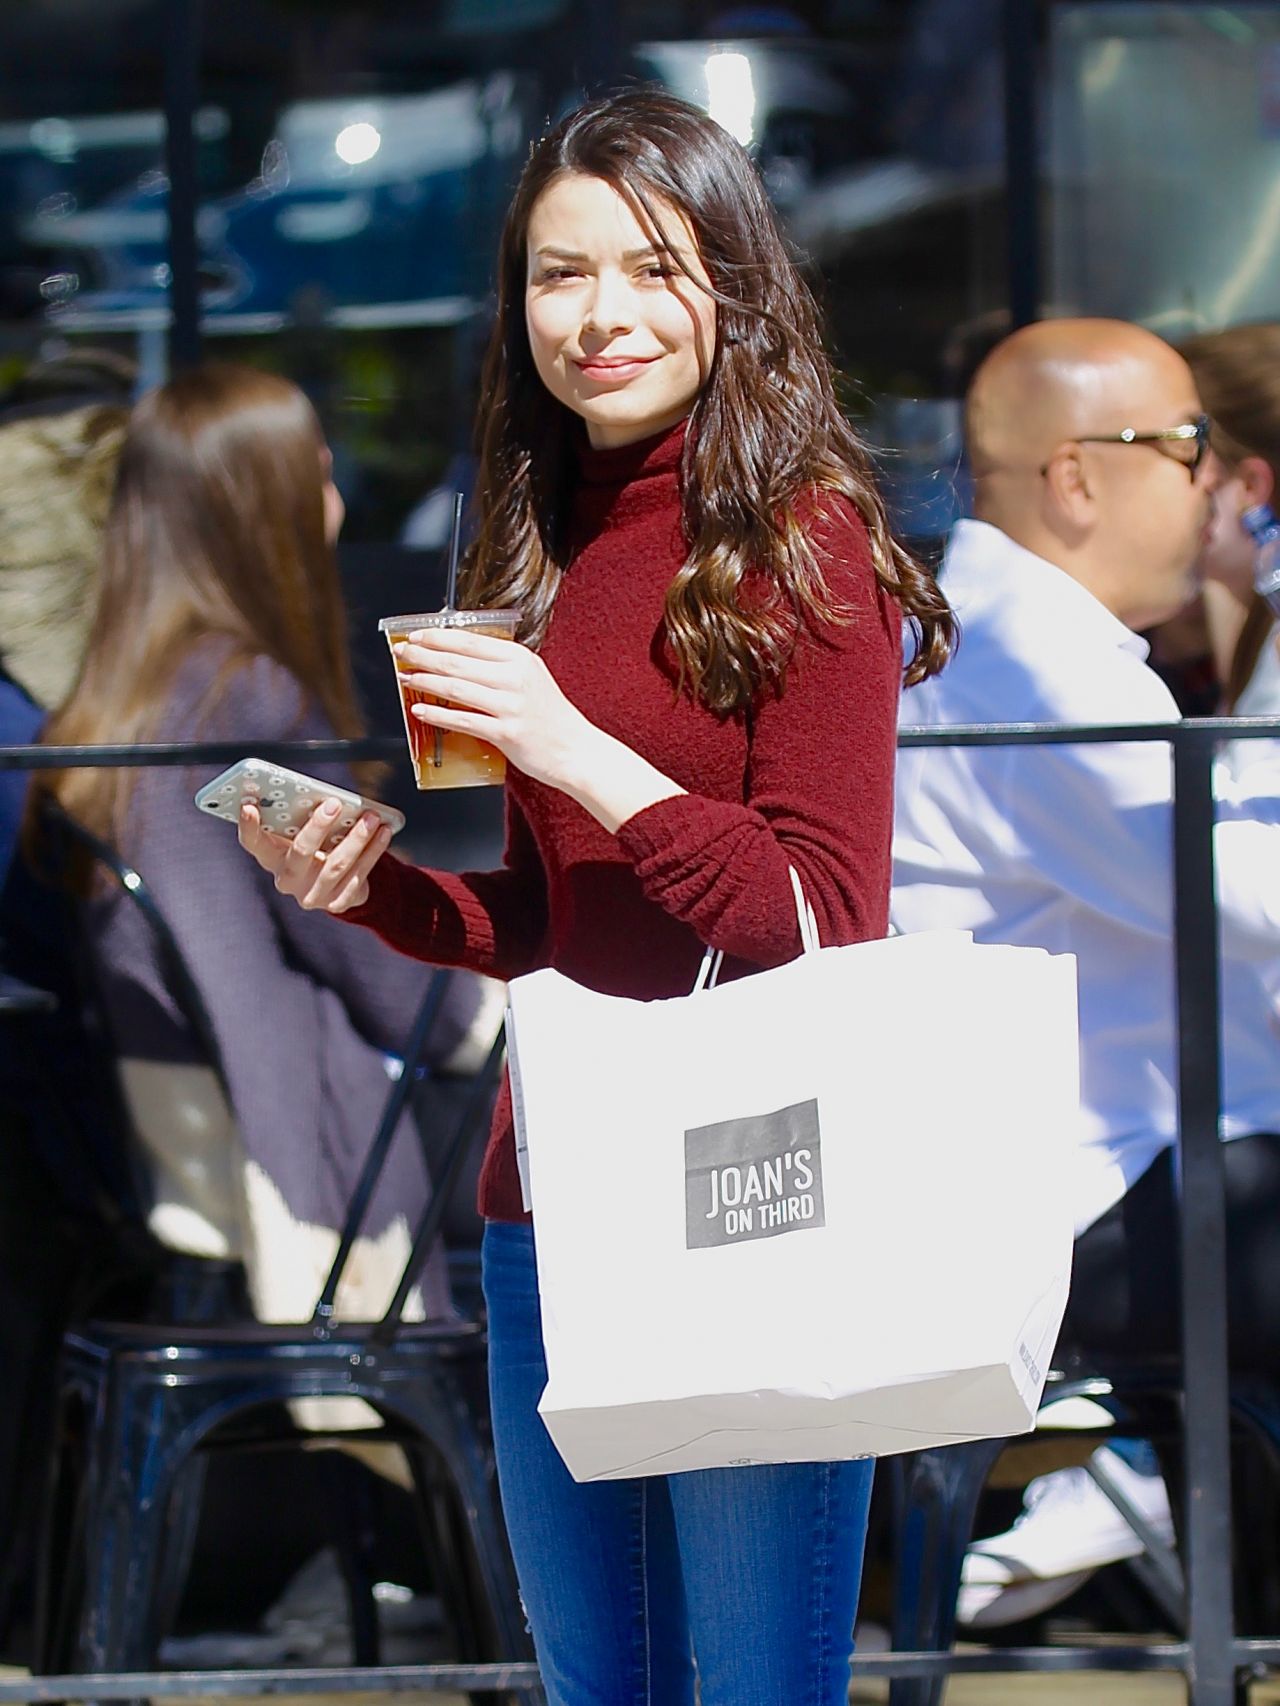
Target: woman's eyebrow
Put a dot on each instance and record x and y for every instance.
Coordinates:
(630, 255)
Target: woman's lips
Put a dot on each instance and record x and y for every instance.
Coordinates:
(613, 371)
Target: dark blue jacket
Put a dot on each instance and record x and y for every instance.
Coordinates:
(20, 720)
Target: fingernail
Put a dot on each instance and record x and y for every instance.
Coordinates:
(330, 808)
(370, 821)
(418, 636)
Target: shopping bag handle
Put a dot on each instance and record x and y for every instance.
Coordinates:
(713, 959)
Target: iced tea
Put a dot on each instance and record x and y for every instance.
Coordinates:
(442, 758)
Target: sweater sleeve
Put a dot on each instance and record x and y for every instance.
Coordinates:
(486, 921)
(818, 793)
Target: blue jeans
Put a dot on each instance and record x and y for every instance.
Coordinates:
(751, 1574)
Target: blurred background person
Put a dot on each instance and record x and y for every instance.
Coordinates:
(60, 432)
(218, 617)
(1237, 372)
(1094, 494)
(61, 425)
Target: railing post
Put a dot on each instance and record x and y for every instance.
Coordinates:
(1021, 158)
(181, 98)
(1202, 1230)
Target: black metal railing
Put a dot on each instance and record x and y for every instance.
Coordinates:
(1211, 1657)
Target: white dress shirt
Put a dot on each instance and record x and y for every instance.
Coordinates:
(1261, 694)
(1069, 848)
(1260, 697)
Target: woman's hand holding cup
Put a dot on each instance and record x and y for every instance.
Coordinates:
(497, 691)
(335, 881)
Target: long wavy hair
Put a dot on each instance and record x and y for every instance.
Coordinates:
(1237, 373)
(215, 530)
(765, 435)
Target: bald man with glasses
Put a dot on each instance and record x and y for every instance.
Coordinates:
(1093, 493)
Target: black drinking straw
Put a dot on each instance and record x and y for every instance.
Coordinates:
(450, 597)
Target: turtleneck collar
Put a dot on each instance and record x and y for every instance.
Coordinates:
(626, 463)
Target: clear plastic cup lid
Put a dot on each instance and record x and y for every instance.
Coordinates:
(447, 619)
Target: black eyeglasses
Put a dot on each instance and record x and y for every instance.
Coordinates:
(1194, 433)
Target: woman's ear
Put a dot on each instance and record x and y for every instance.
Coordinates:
(1259, 483)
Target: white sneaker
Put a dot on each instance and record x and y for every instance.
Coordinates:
(988, 1605)
(1068, 1527)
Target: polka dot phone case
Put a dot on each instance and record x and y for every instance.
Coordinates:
(286, 799)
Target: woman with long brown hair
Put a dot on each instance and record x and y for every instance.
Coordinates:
(705, 697)
(219, 617)
(1237, 373)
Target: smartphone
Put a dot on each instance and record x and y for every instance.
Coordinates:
(286, 799)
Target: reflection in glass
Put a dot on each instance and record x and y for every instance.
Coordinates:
(355, 162)
(1165, 163)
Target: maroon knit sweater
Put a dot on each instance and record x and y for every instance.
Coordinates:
(806, 780)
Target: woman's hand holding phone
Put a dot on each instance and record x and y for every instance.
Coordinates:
(334, 881)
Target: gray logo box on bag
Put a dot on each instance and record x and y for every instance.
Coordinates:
(755, 1177)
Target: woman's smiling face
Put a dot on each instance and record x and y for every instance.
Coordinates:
(618, 333)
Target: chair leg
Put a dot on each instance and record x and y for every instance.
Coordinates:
(181, 1525)
(126, 1529)
(462, 1525)
(448, 1414)
(60, 1559)
(353, 1539)
(477, 1598)
(937, 1495)
(469, 1618)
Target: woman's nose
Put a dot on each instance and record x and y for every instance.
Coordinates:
(611, 309)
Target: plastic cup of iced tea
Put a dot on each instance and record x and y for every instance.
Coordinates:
(443, 758)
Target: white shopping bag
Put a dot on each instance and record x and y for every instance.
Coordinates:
(818, 1213)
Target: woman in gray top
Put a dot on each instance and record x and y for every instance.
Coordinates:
(219, 617)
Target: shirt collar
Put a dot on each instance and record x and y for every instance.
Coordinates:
(986, 570)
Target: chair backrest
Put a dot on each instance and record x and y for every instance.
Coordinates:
(65, 833)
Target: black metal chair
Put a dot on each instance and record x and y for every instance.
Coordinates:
(936, 1495)
(76, 1240)
(141, 1403)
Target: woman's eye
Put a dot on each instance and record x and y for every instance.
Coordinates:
(658, 270)
(556, 275)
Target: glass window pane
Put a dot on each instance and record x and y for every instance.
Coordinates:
(82, 128)
(879, 130)
(1164, 163)
(355, 158)
(375, 147)
(355, 161)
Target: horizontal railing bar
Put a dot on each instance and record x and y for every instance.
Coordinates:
(292, 752)
(1191, 730)
(134, 757)
(1247, 1652)
(486, 1679)
(983, 1661)
(200, 1684)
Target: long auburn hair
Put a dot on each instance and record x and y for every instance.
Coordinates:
(765, 432)
(1237, 373)
(215, 530)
